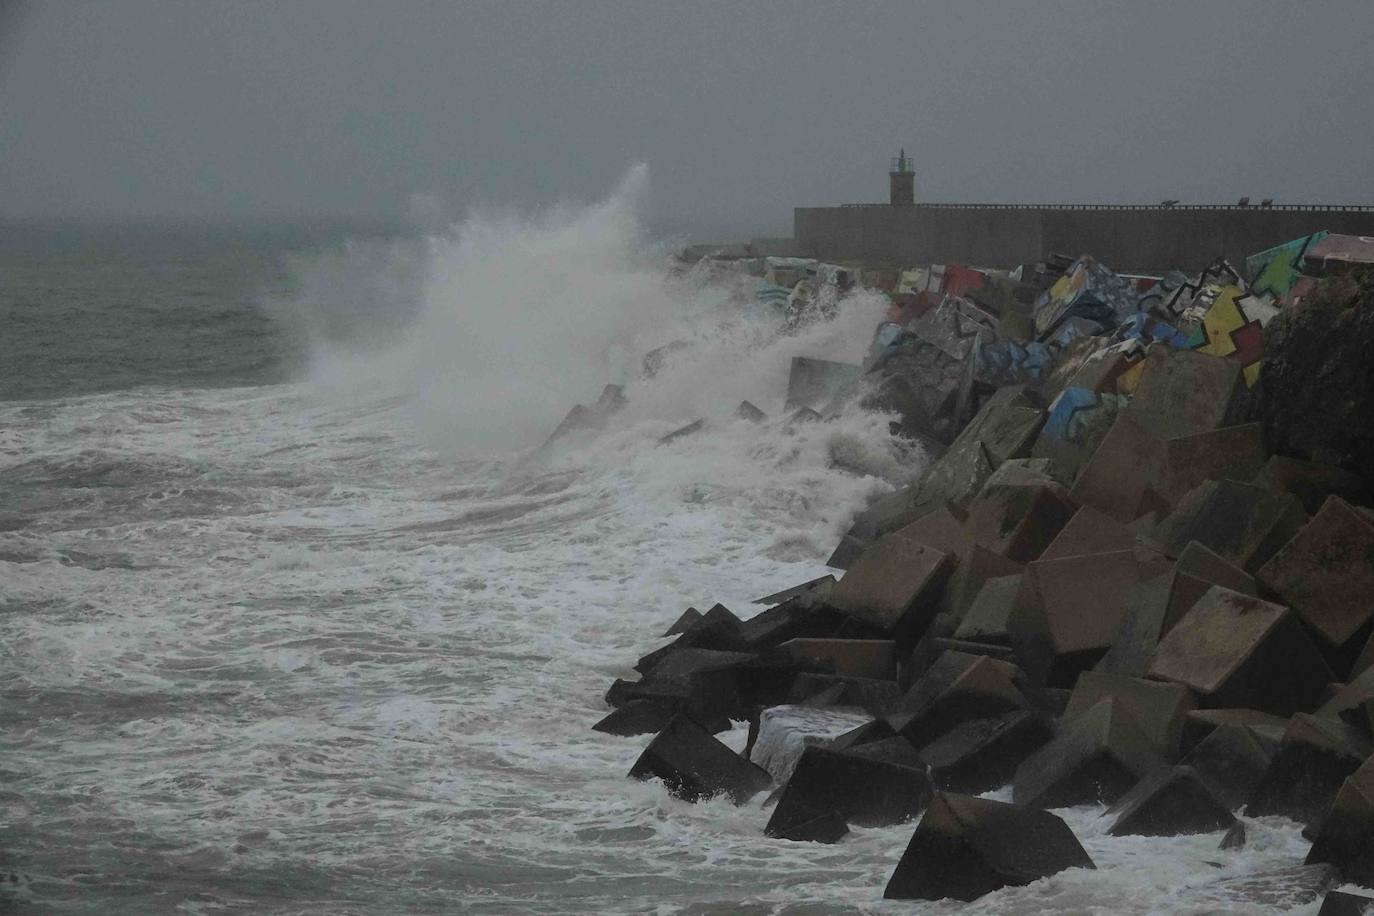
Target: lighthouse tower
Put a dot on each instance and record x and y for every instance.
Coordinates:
(902, 182)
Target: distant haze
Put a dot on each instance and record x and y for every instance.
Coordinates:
(329, 108)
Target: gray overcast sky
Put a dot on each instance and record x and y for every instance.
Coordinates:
(338, 108)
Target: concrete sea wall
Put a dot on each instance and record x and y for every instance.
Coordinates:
(1126, 238)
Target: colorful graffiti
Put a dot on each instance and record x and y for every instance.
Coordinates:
(1275, 271)
(1234, 327)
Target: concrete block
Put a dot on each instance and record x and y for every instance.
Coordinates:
(983, 689)
(877, 697)
(1170, 801)
(693, 765)
(1076, 425)
(1345, 838)
(1096, 758)
(1235, 650)
(1158, 707)
(748, 411)
(1183, 392)
(1231, 761)
(818, 587)
(1339, 903)
(1311, 482)
(1068, 611)
(1233, 838)
(824, 828)
(1233, 452)
(813, 382)
(784, 732)
(1326, 572)
(689, 617)
(986, 618)
(1313, 759)
(1018, 522)
(682, 432)
(869, 658)
(1266, 727)
(863, 791)
(894, 585)
(966, 847)
(650, 716)
(1089, 531)
(982, 754)
(1243, 524)
(1128, 465)
(1147, 604)
(978, 566)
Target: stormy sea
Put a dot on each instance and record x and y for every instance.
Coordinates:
(297, 616)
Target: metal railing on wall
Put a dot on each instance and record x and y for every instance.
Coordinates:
(1357, 208)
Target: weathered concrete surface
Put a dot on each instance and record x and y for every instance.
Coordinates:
(1326, 572)
(966, 847)
(1236, 650)
(1147, 238)
(1169, 802)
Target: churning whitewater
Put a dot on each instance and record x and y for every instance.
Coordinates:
(336, 646)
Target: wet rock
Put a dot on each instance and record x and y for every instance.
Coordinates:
(1266, 727)
(865, 792)
(868, 658)
(1345, 837)
(824, 828)
(1158, 707)
(1231, 761)
(1234, 650)
(689, 617)
(784, 732)
(1234, 838)
(877, 697)
(966, 847)
(818, 588)
(648, 716)
(893, 585)
(1339, 903)
(1318, 391)
(1314, 759)
(1169, 802)
(803, 615)
(1243, 524)
(747, 411)
(956, 690)
(584, 420)
(1326, 572)
(1068, 611)
(693, 765)
(1096, 758)
(813, 382)
(982, 754)
(682, 432)
(717, 629)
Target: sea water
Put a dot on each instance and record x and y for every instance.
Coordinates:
(295, 615)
